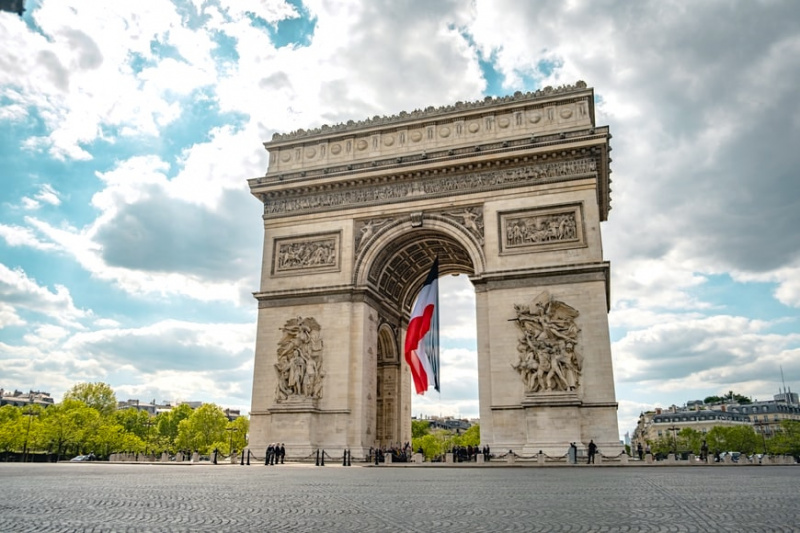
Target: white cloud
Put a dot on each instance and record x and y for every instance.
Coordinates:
(22, 292)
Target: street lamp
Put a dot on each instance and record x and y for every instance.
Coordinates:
(230, 443)
(30, 413)
(674, 430)
(149, 424)
(760, 425)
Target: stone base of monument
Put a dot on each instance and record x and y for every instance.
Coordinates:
(418, 458)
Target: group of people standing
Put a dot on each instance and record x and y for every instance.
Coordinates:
(470, 453)
(275, 454)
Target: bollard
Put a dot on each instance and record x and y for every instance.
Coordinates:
(248, 456)
(322, 458)
(215, 456)
(266, 458)
(349, 457)
(376, 457)
(317, 463)
(241, 460)
(344, 457)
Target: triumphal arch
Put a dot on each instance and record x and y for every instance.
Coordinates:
(509, 191)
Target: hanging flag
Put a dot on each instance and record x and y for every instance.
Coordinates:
(422, 337)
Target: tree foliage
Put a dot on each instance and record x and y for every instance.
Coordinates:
(204, 430)
(98, 396)
(420, 428)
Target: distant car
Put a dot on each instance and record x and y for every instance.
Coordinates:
(81, 458)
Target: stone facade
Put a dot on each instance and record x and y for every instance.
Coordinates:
(510, 191)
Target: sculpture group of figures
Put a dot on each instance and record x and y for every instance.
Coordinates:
(559, 227)
(299, 365)
(548, 339)
(307, 254)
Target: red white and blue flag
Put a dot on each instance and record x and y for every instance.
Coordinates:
(422, 337)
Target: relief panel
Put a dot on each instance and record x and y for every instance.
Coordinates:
(535, 230)
(306, 254)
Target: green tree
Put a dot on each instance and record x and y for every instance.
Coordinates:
(690, 440)
(63, 426)
(419, 428)
(12, 432)
(167, 425)
(238, 429)
(98, 396)
(787, 440)
(433, 444)
(204, 430)
(471, 437)
(732, 439)
(134, 421)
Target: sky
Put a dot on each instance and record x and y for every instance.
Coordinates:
(130, 245)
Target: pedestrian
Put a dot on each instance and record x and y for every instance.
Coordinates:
(704, 451)
(282, 452)
(592, 451)
(640, 451)
(573, 453)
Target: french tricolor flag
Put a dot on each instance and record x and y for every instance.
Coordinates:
(422, 337)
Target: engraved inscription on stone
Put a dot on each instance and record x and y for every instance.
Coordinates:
(319, 252)
(554, 227)
(299, 365)
(548, 358)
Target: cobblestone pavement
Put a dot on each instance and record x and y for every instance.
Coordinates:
(230, 498)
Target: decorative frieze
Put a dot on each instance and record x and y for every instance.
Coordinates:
(542, 229)
(547, 346)
(384, 193)
(308, 253)
(299, 366)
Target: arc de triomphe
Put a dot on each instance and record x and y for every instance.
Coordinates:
(509, 191)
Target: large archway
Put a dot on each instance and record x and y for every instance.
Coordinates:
(396, 261)
(508, 191)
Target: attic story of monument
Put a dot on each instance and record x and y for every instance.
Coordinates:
(509, 191)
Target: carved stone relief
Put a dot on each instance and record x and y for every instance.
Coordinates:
(366, 229)
(299, 365)
(319, 252)
(548, 359)
(470, 218)
(547, 228)
(395, 192)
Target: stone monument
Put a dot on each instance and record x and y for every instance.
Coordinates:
(509, 191)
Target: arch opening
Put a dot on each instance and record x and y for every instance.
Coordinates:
(395, 275)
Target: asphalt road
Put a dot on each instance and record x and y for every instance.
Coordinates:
(93, 497)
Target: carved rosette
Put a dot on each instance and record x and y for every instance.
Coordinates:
(299, 366)
(548, 356)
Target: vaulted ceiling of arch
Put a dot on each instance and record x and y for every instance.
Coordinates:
(400, 270)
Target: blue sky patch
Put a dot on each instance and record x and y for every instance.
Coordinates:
(296, 31)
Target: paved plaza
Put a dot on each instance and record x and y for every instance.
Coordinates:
(226, 498)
